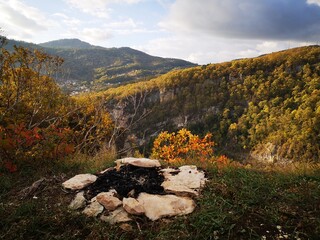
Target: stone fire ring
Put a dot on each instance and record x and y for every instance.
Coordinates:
(136, 186)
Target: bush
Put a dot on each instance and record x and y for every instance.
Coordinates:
(18, 143)
(182, 147)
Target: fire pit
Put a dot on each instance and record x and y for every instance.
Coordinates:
(136, 186)
(128, 181)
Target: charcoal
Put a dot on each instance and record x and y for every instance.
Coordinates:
(127, 181)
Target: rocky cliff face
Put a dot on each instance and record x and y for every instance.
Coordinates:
(268, 153)
(144, 115)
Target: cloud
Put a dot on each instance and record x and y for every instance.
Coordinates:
(98, 8)
(127, 1)
(268, 46)
(247, 19)
(67, 20)
(165, 3)
(96, 34)
(313, 2)
(209, 49)
(128, 23)
(128, 27)
(103, 33)
(21, 21)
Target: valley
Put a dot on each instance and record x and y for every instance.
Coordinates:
(93, 68)
(251, 124)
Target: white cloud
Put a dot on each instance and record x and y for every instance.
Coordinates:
(128, 23)
(127, 27)
(211, 49)
(191, 48)
(317, 2)
(97, 32)
(68, 21)
(268, 46)
(94, 7)
(165, 3)
(247, 19)
(98, 8)
(210, 31)
(128, 1)
(96, 36)
(22, 21)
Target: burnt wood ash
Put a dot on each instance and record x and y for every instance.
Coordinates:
(129, 181)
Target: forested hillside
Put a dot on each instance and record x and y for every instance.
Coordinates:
(269, 105)
(266, 107)
(87, 67)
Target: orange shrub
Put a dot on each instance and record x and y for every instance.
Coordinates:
(182, 146)
(18, 143)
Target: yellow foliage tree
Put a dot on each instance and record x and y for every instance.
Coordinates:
(33, 109)
(28, 94)
(92, 124)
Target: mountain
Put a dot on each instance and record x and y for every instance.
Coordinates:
(266, 108)
(91, 67)
(10, 43)
(67, 44)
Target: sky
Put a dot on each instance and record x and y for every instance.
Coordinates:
(200, 31)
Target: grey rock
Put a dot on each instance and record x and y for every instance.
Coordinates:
(94, 208)
(117, 216)
(79, 181)
(78, 202)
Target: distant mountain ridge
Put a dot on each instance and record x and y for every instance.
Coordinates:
(87, 67)
(73, 43)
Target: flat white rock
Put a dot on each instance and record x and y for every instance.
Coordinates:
(133, 206)
(188, 176)
(158, 206)
(179, 190)
(138, 162)
(117, 216)
(79, 181)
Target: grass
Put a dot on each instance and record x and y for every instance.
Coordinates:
(237, 203)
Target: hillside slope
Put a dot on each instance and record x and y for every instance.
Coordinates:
(267, 106)
(93, 67)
